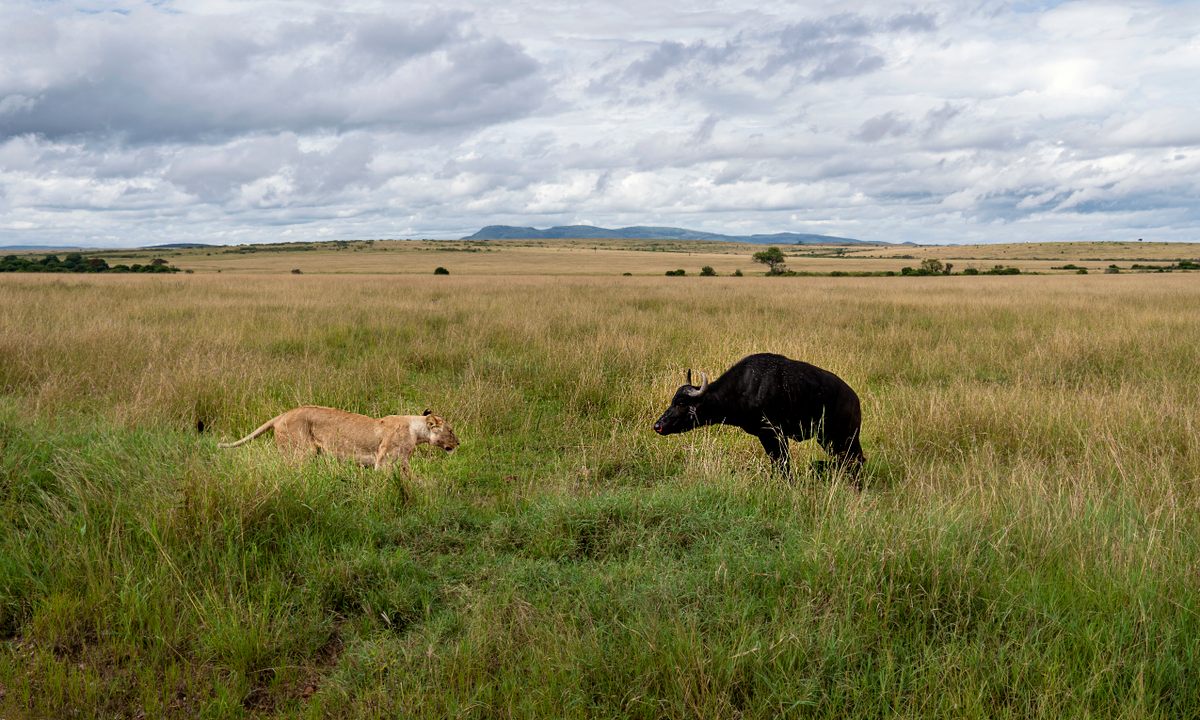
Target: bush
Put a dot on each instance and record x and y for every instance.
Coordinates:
(296, 271)
(971, 271)
(677, 273)
(737, 273)
(707, 271)
(439, 270)
(76, 263)
(933, 266)
(929, 266)
(1002, 270)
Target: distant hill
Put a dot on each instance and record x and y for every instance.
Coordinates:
(177, 246)
(639, 232)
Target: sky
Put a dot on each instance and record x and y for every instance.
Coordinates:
(132, 123)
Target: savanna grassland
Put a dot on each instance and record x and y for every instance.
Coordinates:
(609, 257)
(1027, 544)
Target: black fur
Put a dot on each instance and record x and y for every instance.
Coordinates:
(775, 399)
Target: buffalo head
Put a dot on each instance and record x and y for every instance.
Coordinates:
(683, 415)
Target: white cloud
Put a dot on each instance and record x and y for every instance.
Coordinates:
(220, 121)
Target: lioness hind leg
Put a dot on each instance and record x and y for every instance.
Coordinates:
(295, 441)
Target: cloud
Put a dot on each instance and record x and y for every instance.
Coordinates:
(204, 120)
(669, 55)
(836, 47)
(152, 76)
(881, 126)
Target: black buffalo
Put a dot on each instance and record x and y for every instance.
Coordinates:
(774, 398)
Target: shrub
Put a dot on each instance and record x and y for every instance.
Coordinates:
(971, 271)
(296, 271)
(439, 270)
(677, 273)
(76, 263)
(1002, 270)
(707, 271)
(737, 273)
(932, 266)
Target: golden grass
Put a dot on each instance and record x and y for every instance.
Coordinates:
(1025, 547)
(615, 257)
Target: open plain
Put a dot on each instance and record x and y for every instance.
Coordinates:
(1026, 545)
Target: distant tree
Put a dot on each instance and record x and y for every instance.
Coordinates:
(676, 273)
(707, 271)
(439, 270)
(773, 258)
(932, 266)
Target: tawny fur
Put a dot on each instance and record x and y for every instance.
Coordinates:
(372, 442)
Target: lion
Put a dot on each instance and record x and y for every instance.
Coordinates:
(375, 443)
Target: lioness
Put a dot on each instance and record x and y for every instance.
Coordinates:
(376, 443)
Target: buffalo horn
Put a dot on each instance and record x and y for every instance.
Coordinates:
(703, 384)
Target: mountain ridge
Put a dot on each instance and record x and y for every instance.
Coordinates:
(645, 232)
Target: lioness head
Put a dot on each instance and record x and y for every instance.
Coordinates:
(440, 433)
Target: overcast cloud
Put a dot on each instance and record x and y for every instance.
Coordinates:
(132, 123)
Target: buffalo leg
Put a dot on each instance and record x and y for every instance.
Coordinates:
(777, 449)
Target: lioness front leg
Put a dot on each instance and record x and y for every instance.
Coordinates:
(390, 453)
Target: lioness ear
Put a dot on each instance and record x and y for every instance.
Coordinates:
(427, 412)
(431, 421)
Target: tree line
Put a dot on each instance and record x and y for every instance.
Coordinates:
(77, 263)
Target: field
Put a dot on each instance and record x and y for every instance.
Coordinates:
(642, 257)
(1027, 543)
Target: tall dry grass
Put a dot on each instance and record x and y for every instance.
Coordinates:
(1025, 547)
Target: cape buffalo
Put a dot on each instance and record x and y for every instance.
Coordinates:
(773, 398)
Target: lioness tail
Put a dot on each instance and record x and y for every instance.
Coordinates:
(261, 429)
